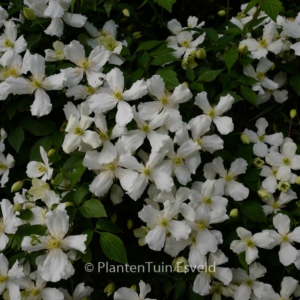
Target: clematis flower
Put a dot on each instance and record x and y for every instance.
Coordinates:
(77, 134)
(260, 138)
(81, 292)
(175, 27)
(9, 44)
(116, 96)
(56, 54)
(39, 169)
(213, 114)
(227, 180)
(161, 223)
(6, 163)
(3, 136)
(56, 265)
(129, 294)
(91, 66)
(202, 281)
(11, 279)
(164, 109)
(249, 243)
(249, 286)
(8, 223)
(37, 83)
(287, 253)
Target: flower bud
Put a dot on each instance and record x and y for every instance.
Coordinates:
(179, 264)
(243, 48)
(245, 138)
(293, 113)
(114, 218)
(297, 180)
(283, 186)
(126, 12)
(186, 84)
(17, 207)
(234, 213)
(109, 289)
(129, 223)
(137, 35)
(133, 287)
(28, 13)
(201, 53)
(258, 162)
(298, 203)
(273, 67)
(51, 152)
(263, 194)
(16, 186)
(222, 13)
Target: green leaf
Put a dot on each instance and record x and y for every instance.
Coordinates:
(16, 138)
(164, 58)
(72, 6)
(209, 76)
(169, 77)
(113, 247)
(80, 193)
(32, 39)
(179, 289)
(245, 80)
(190, 74)
(248, 95)
(35, 150)
(251, 4)
(167, 4)
(93, 209)
(89, 233)
(148, 45)
(193, 295)
(144, 60)
(10, 109)
(212, 34)
(242, 260)
(253, 211)
(197, 86)
(25, 214)
(137, 75)
(295, 83)
(58, 179)
(75, 161)
(75, 176)
(230, 57)
(107, 225)
(38, 127)
(271, 7)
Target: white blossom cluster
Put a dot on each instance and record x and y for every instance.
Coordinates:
(181, 213)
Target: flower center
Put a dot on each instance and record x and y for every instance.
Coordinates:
(85, 64)
(103, 136)
(249, 243)
(260, 75)
(91, 90)
(283, 186)
(3, 278)
(78, 131)
(263, 43)
(261, 137)
(35, 292)
(145, 128)
(8, 43)
(284, 238)
(146, 171)
(228, 177)
(3, 167)
(108, 42)
(201, 225)
(177, 161)
(118, 95)
(275, 205)
(42, 168)
(249, 282)
(207, 201)
(164, 100)
(36, 83)
(11, 72)
(53, 243)
(286, 161)
(111, 167)
(185, 44)
(163, 222)
(211, 113)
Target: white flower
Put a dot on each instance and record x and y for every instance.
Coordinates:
(286, 161)
(56, 54)
(164, 109)
(260, 138)
(161, 223)
(263, 66)
(8, 223)
(175, 27)
(154, 170)
(202, 281)
(77, 134)
(213, 113)
(249, 242)
(249, 287)
(269, 42)
(287, 253)
(3, 136)
(80, 292)
(37, 83)
(227, 180)
(56, 265)
(91, 66)
(116, 96)
(38, 169)
(9, 44)
(129, 294)
(5, 164)
(10, 278)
